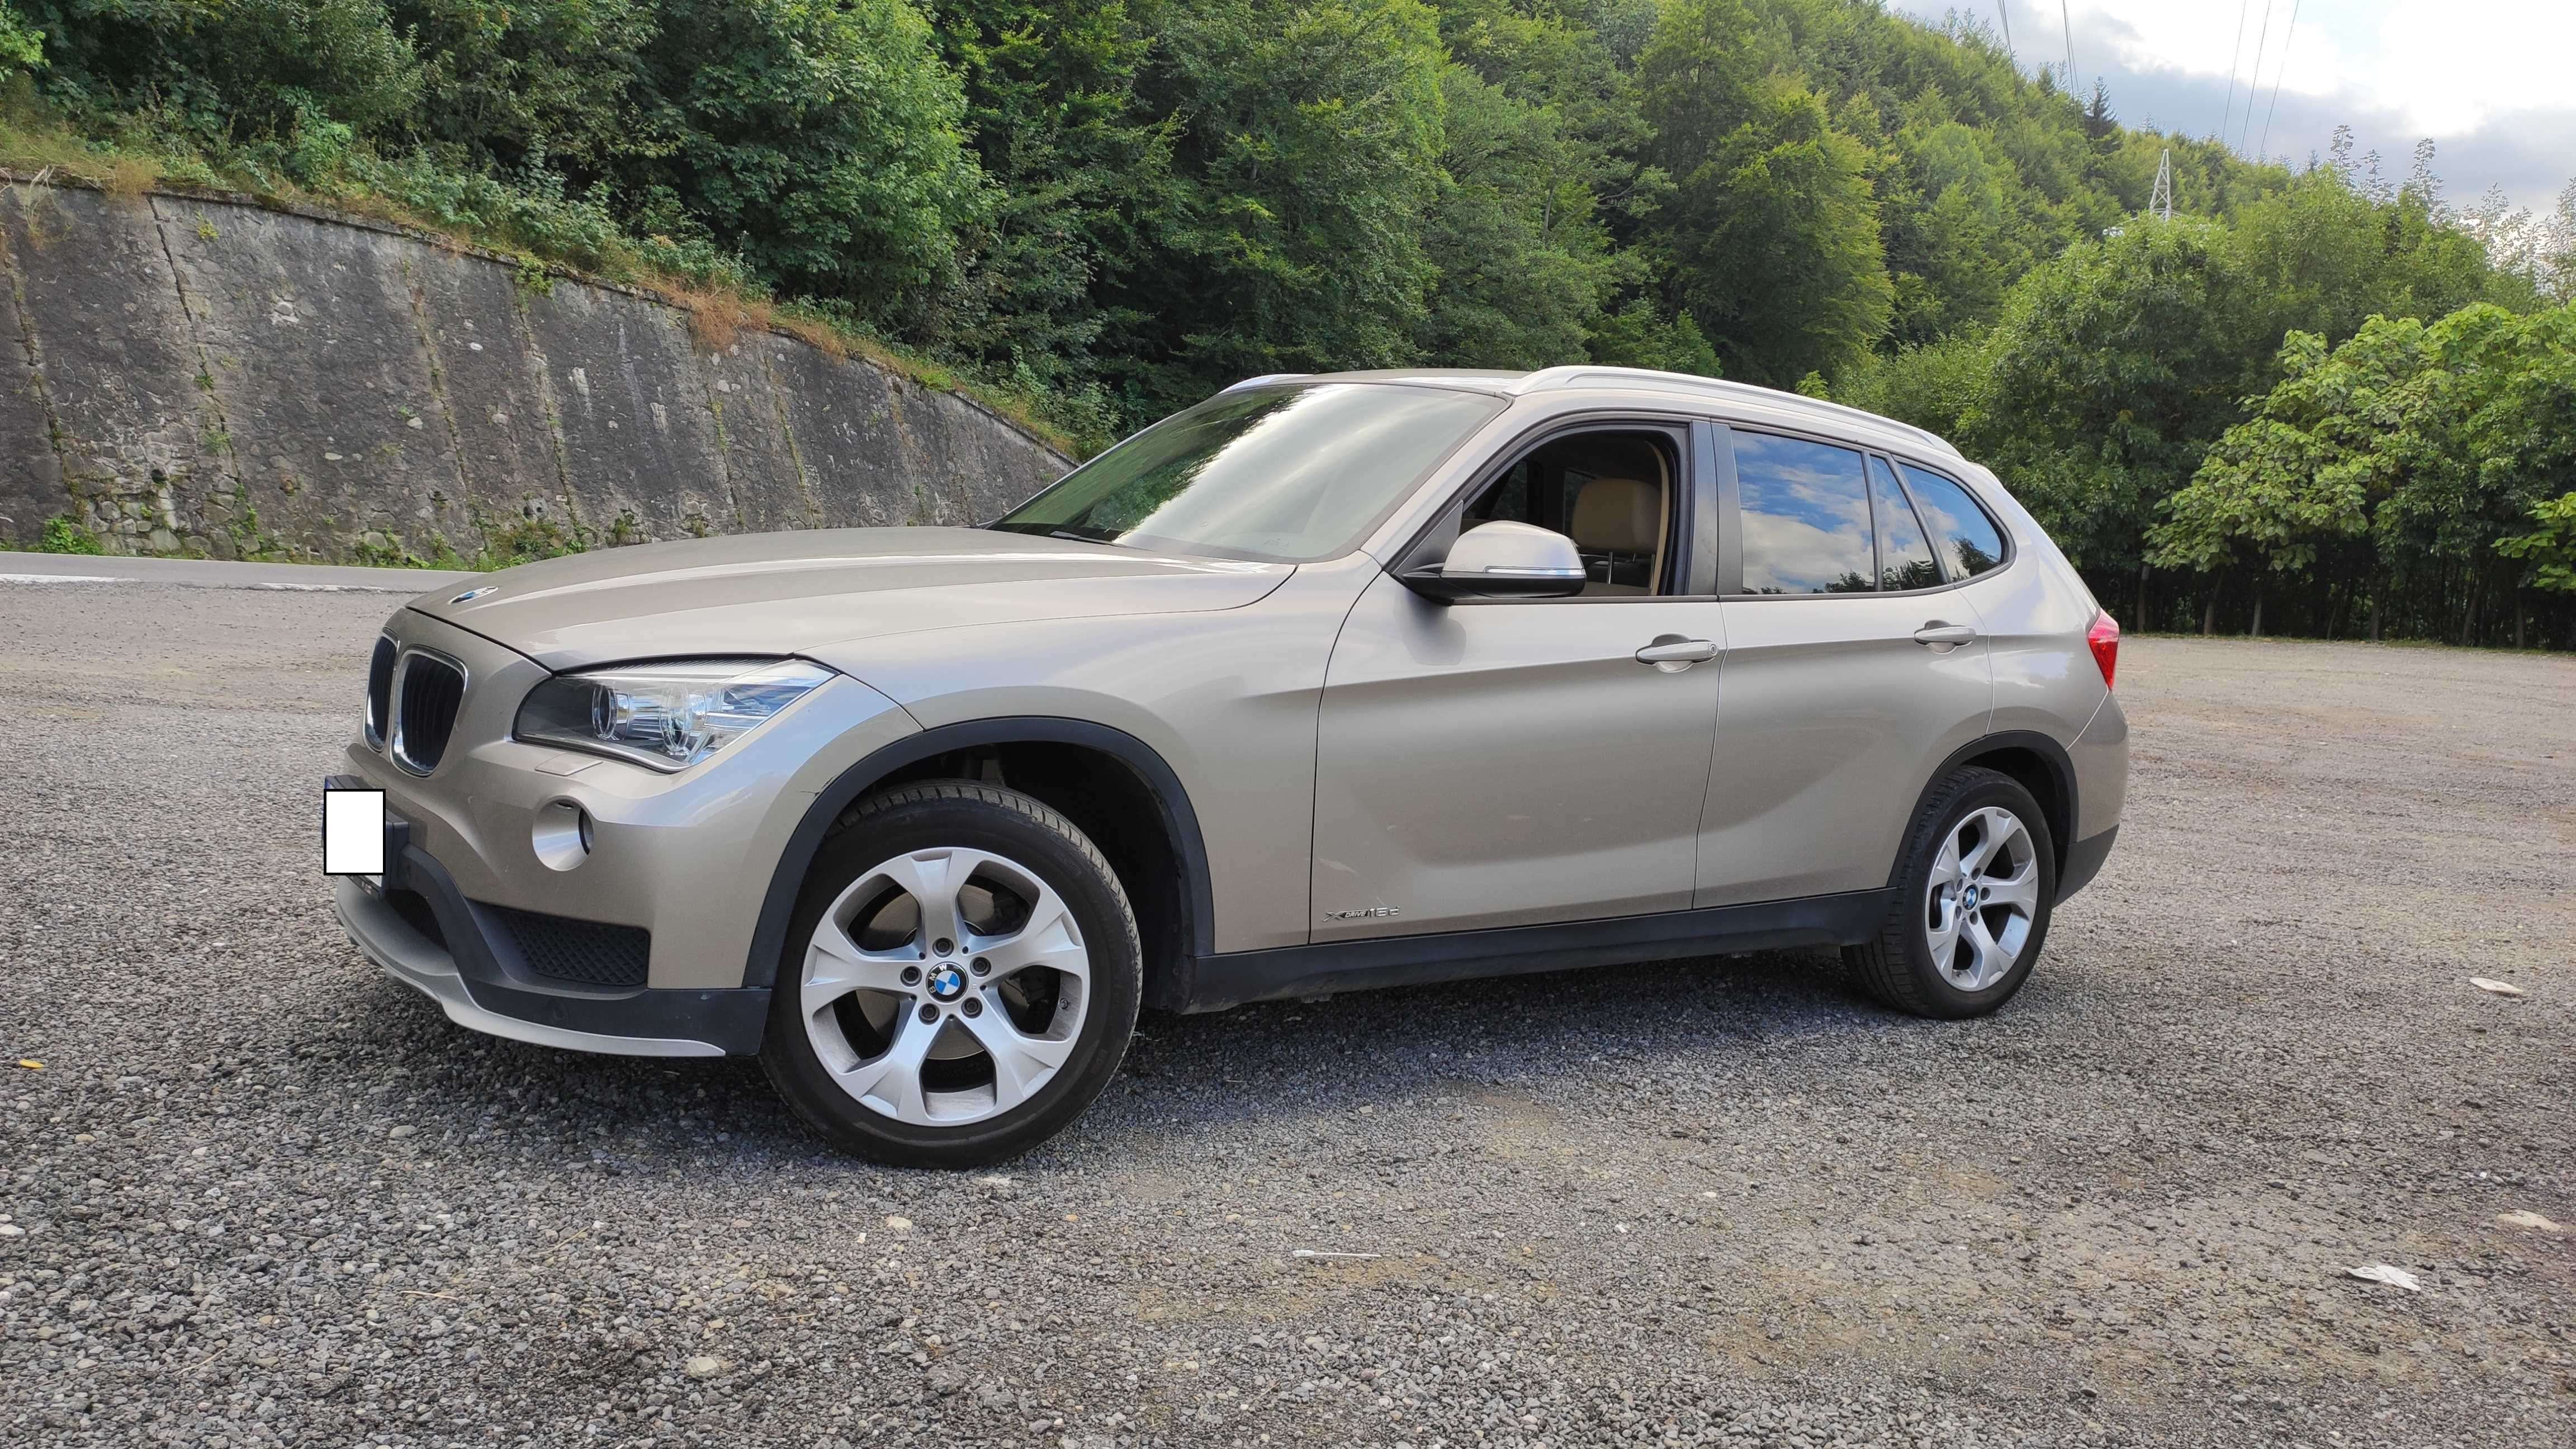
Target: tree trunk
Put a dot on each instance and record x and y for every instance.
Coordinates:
(2520, 615)
(2375, 591)
(2209, 611)
(2139, 617)
(2256, 629)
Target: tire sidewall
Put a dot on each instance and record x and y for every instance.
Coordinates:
(1109, 935)
(1980, 789)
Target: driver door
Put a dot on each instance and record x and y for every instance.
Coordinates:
(1500, 763)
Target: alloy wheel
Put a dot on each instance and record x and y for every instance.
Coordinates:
(945, 986)
(1981, 898)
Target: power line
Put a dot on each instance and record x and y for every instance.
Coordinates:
(2247, 133)
(2006, 16)
(2276, 82)
(2068, 25)
(2235, 58)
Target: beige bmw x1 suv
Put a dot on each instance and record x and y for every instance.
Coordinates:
(1329, 682)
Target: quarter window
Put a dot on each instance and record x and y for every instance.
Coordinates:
(1962, 533)
(1904, 559)
(1803, 511)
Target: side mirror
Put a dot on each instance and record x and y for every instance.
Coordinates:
(1503, 560)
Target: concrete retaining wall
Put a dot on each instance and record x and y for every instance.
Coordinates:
(189, 374)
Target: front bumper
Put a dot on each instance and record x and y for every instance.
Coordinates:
(416, 961)
(639, 944)
(417, 925)
(683, 861)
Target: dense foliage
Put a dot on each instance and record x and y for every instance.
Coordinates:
(1113, 207)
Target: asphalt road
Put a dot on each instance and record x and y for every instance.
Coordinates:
(259, 1193)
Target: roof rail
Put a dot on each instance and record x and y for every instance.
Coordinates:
(1556, 379)
(1267, 377)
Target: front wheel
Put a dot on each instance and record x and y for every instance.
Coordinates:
(961, 978)
(1972, 902)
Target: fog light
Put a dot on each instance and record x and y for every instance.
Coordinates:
(561, 835)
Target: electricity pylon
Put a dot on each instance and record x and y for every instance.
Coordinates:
(2160, 201)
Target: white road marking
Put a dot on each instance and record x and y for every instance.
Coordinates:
(405, 588)
(323, 588)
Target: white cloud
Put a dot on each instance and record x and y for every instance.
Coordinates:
(2485, 79)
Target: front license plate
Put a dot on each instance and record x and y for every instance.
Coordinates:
(353, 835)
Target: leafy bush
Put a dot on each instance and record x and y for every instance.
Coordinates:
(62, 535)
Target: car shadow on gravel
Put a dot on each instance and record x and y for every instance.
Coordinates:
(390, 1059)
(1368, 1048)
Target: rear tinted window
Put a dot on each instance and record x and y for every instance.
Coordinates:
(1804, 515)
(1967, 540)
(1904, 559)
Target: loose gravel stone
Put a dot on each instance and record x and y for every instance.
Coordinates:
(262, 1195)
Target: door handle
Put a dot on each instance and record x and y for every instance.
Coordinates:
(1937, 632)
(1672, 653)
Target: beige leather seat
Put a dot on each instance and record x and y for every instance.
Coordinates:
(1621, 515)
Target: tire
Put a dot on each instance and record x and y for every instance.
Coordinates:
(1913, 964)
(1038, 981)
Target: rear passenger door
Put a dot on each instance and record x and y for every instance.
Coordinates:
(1854, 664)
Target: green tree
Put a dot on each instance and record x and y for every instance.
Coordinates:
(2409, 459)
(1078, 164)
(1291, 242)
(236, 70)
(22, 48)
(551, 83)
(2309, 472)
(1771, 236)
(1962, 245)
(819, 138)
(2113, 369)
(2551, 547)
(1641, 335)
(1538, 120)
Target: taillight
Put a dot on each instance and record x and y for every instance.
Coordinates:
(2104, 637)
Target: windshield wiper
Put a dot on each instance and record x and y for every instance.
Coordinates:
(1083, 537)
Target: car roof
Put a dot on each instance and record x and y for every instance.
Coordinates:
(1734, 399)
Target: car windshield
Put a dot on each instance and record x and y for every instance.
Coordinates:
(1283, 474)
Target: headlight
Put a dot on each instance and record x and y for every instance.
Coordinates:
(669, 715)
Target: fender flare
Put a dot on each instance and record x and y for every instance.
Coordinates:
(787, 880)
(2061, 767)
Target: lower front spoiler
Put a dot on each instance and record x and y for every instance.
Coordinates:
(376, 929)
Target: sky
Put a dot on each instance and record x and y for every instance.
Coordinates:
(2487, 80)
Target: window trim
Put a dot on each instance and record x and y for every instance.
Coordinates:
(1878, 529)
(1730, 577)
(1690, 563)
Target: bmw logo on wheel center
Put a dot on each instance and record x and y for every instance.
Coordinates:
(947, 983)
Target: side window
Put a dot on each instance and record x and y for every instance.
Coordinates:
(1803, 513)
(1612, 492)
(1967, 540)
(1904, 559)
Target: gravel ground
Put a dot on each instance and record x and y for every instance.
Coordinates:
(260, 1193)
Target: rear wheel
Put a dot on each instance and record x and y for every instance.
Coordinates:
(1972, 902)
(961, 979)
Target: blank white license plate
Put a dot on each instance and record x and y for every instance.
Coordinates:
(353, 834)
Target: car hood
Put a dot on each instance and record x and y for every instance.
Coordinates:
(788, 593)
